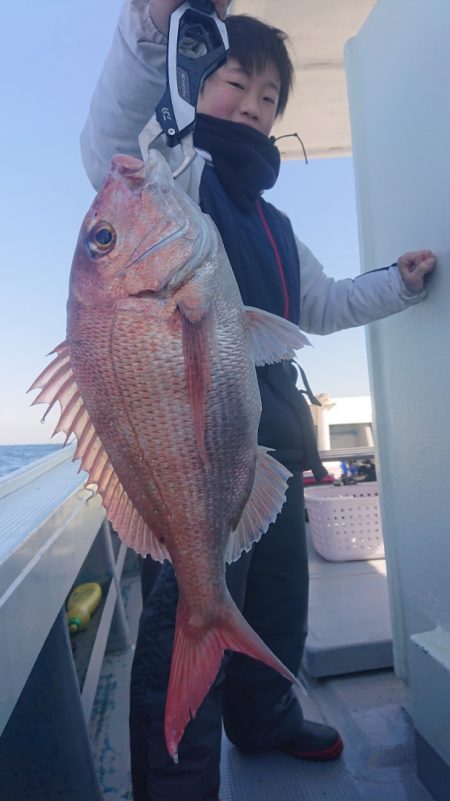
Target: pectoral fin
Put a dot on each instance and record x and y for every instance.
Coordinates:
(272, 338)
(196, 335)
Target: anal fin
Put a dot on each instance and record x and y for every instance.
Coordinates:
(264, 504)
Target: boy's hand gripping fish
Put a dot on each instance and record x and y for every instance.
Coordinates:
(157, 381)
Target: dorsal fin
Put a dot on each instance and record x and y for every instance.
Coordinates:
(57, 383)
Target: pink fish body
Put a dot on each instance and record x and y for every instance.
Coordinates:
(157, 381)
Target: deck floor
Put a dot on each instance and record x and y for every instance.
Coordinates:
(378, 763)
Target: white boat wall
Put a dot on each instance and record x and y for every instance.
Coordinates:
(398, 67)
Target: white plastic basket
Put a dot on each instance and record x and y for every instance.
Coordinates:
(345, 521)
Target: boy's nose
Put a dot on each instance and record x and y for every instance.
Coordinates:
(249, 106)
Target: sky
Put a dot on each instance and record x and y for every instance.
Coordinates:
(51, 55)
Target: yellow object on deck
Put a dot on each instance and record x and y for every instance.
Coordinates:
(81, 604)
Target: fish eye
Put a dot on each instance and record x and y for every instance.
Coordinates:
(101, 238)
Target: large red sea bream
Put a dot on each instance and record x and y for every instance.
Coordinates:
(157, 381)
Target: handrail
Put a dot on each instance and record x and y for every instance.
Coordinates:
(25, 475)
(341, 454)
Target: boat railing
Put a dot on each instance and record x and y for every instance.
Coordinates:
(53, 535)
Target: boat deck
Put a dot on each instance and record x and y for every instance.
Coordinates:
(54, 538)
(368, 708)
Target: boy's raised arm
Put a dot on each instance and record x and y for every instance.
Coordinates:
(130, 84)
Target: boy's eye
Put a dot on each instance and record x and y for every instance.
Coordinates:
(269, 100)
(236, 84)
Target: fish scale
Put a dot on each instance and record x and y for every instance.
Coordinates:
(164, 430)
(102, 393)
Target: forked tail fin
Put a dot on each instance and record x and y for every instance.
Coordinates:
(196, 658)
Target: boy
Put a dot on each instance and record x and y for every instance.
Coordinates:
(236, 111)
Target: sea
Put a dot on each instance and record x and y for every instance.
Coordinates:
(13, 457)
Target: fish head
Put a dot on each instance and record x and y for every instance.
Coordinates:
(142, 237)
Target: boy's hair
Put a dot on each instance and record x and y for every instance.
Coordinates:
(255, 44)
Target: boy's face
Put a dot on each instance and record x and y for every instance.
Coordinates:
(232, 94)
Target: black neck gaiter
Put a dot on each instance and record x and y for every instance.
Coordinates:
(245, 160)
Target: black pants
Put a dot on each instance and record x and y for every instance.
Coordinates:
(260, 711)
